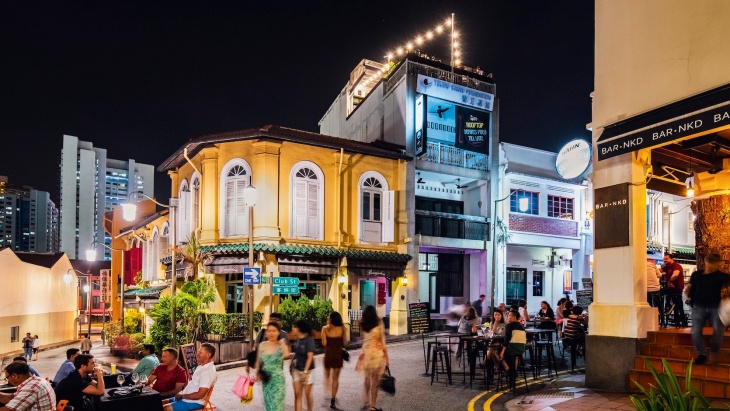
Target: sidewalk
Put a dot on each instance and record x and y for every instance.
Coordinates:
(568, 392)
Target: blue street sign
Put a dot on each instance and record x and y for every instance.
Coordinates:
(286, 281)
(251, 275)
(283, 289)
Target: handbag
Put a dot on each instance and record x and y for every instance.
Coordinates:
(249, 395)
(345, 355)
(240, 387)
(387, 382)
(251, 358)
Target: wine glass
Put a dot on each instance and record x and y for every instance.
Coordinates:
(135, 378)
(143, 379)
(120, 379)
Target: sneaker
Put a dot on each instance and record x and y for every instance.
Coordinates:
(701, 359)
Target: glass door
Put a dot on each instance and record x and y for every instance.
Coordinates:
(516, 285)
(367, 293)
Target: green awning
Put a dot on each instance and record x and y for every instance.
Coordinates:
(153, 291)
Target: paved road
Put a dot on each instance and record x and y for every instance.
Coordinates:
(414, 391)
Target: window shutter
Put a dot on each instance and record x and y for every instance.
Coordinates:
(388, 230)
(312, 209)
(162, 251)
(195, 208)
(184, 217)
(230, 217)
(241, 214)
(300, 208)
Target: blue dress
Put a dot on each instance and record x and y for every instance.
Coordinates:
(275, 389)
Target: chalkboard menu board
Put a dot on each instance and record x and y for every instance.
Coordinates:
(420, 314)
(584, 297)
(187, 358)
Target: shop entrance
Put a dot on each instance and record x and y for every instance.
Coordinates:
(516, 285)
(367, 293)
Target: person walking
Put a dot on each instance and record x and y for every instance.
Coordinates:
(479, 305)
(704, 293)
(270, 367)
(374, 355)
(334, 340)
(653, 274)
(85, 344)
(674, 277)
(302, 378)
(28, 346)
(36, 346)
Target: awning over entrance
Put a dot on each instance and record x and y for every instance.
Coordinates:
(365, 268)
(226, 265)
(149, 292)
(304, 265)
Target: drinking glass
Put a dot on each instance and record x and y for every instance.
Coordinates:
(120, 379)
(143, 379)
(135, 377)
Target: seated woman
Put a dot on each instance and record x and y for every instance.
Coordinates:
(524, 315)
(546, 316)
(496, 329)
(574, 335)
(468, 325)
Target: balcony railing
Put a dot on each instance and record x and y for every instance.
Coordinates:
(435, 224)
(452, 156)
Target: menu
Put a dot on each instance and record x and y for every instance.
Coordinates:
(584, 297)
(420, 314)
(187, 357)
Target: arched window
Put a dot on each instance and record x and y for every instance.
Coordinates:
(195, 198)
(307, 201)
(235, 177)
(183, 214)
(376, 209)
(163, 251)
(150, 256)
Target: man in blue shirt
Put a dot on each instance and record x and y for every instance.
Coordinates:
(148, 363)
(68, 366)
(25, 360)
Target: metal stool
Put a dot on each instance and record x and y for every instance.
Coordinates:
(517, 363)
(549, 354)
(440, 357)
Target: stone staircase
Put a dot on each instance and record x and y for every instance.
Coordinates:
(675, 345)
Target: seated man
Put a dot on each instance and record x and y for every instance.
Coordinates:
(68, 366)
(79, 382)
(168, 378)
(515, 341)
(148, 363)
(25, 360)
(574, 333)
(193, 396)
(33, 393)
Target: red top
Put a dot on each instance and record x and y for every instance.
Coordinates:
(166, 379)
(677, 282)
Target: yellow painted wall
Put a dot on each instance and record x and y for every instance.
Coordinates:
(38, 301)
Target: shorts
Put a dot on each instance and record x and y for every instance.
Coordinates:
(35, 351)
(297, 376)
(186, 406)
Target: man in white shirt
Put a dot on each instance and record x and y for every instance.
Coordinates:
(194, 395)
(653, 274)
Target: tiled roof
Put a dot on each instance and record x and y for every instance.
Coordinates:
(273, 132)
(298, 249)
(152, 291)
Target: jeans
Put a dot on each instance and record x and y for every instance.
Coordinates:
(653, 298)
(28, 352)
(698, 320)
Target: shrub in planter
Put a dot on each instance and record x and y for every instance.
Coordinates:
(315, 311)
(668, 394)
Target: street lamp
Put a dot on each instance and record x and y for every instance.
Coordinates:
(68, 277)
(523, 205)
(129, 212)
(249, 194)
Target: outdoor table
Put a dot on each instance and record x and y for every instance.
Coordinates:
(443, 336)
(149, 400)
(471, 341)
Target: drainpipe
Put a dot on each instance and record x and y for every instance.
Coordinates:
(339, 200)
(200, 219)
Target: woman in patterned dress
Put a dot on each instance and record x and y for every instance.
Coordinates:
(374, 356)
(271, 354)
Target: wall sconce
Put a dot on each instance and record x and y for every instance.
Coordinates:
(404, 281)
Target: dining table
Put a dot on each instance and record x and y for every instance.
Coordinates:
(148, 400)
(472, 345)
(436, 340)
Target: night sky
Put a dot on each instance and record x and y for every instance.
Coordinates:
(140, 78)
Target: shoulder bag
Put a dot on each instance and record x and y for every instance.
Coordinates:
(387, 382)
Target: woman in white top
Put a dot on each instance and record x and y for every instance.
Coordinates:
(524, 316)
(36, 346)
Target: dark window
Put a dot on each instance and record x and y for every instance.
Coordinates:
(560, 207)
(533, 201)
(14, 334)
(537, 286)
(451, 275)
(437, 204)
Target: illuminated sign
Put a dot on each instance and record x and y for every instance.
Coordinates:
(454, 93)
(420, 134)
(457, 126)
(573, 159)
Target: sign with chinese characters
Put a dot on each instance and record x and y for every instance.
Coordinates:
(573, 159)
(454, 93)
(105, 281)
(285, 289)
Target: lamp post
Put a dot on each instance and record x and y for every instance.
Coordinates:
(129, 212)
(523, 204)
(91, 256)
(67, 278)
(249, 194)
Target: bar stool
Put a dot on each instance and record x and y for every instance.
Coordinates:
(549, 354)
(440, 357)
(517, 364)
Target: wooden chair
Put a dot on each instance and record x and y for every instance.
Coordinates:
(208, 406)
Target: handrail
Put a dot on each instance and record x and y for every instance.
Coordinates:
(478, 219)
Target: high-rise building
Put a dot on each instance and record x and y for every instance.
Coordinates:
(28, 219)
(91, 184)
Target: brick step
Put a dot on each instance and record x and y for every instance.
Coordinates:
(709, 388)
(715, 372)
(682, 336)
(680, 352)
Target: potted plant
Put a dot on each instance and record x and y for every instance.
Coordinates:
(315, 312)
(217, 327)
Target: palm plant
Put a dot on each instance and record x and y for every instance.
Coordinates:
(193, 254)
